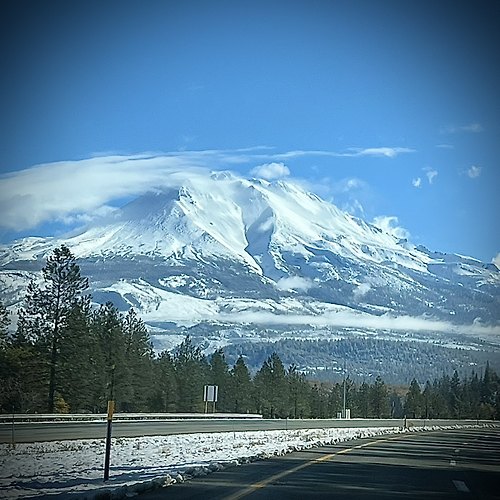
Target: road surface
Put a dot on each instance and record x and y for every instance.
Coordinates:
(435, 465)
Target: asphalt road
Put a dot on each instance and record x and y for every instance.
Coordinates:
(28, 432)
(436, 465)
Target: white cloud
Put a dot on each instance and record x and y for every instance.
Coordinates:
(71, 192)
(417, 182)
(453, 129)
(346, 318)
(388, 225)
(430, 173)
(354, 207)
(474, 172)
(389, 152)
(361, 290)
(496, 260)
(295, 283)
(351, 152)
(271, 171)
(76, 190)
(351, 184)
(473, 127)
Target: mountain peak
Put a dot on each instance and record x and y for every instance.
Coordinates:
(226, 238)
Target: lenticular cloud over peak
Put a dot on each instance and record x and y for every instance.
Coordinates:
(58, 190)
(80, 190)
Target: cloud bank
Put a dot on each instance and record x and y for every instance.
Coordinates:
(349, 319)
(66, 190)
(77, 191)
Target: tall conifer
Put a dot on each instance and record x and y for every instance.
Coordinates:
(47, 307)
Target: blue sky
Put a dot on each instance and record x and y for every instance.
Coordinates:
(391, 109)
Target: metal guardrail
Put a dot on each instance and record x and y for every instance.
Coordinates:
(87, 417)
(37, 430)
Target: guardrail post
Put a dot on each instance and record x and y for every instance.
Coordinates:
(111, 409)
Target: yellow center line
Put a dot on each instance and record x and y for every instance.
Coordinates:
(265, 482)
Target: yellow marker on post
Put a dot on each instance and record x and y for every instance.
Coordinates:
(111, 410)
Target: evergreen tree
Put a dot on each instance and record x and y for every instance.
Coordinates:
(242, 391)
(471, 397)
(77, 360)
(490, 394)
(396, 405)
(165, 389)
(319, 401)
(439, 404)
(46, 309)
(22, 390)
(414, 401)
(112, 377)
(220, 377)
(4, 325)
(455, 396)
(379, 399)
(191, 371)
(298, 389)
(138, 362)
(363, 405)
(272, 388)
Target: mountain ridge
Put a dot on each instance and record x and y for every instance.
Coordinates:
(233, 253)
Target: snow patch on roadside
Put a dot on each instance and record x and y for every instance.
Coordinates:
(74, 469)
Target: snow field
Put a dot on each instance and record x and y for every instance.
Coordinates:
(74, 469)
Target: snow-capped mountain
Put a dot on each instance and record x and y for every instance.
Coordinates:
(223, 250)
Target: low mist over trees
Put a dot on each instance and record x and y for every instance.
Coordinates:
(66, 356)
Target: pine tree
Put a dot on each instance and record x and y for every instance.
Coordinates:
(77, 360)
(22, 389)
(490, 394)
(455, 396)
(319, 401)
(241, 388)
(272, 388)
(46, 309)
(191, 371)
(220, 377)
(363, 401)
(439, 404)
(298, 389)
(111, 377)
(414, 401)
(165, 390)
(379, 399)
(4, 325)
(138, 362)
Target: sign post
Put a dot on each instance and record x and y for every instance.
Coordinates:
(111, 410)
(210, 395)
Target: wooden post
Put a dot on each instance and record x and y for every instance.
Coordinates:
(111, 410)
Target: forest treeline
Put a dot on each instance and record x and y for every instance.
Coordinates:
(66, 356)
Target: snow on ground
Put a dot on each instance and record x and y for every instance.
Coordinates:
(74, 469)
